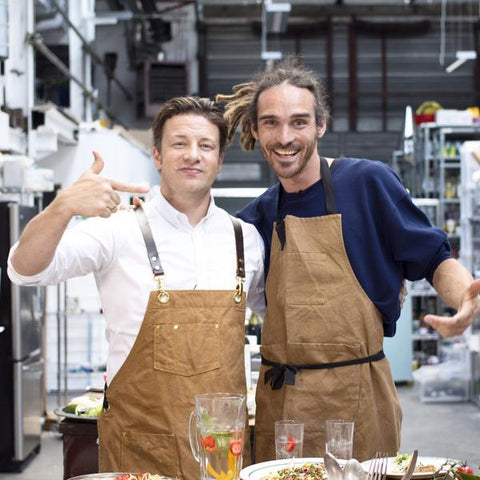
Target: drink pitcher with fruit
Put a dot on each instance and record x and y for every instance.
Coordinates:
(216, 431)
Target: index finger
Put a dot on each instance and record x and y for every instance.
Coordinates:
(129, 187)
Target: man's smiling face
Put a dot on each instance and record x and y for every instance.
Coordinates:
(189, 157)
(286, 129)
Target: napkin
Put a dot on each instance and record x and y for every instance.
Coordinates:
(352, 470)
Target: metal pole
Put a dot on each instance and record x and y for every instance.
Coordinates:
(30, 71)
(91, 51)
(59, 347)
(264, 27)
(65, 343)
(37, 42)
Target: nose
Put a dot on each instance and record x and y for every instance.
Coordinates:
(192, 153)
(285, 135)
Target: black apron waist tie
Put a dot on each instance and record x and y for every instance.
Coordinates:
(281, 373)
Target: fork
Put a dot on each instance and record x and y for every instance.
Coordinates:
(378, 467)
(411, 466)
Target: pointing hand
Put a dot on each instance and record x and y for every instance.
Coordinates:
(93, 195)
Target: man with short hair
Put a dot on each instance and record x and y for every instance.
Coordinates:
(340, 236)
(172, 277)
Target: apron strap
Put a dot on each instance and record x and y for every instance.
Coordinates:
(330, 204)
(153, 257)
(105, 405)
(282, 373)
(280, 229)
(237, 228)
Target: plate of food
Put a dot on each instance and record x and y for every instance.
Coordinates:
(426, 467)
(308, 468)
(85, 408)
(120, 476)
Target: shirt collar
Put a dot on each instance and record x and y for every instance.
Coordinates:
(175, 217)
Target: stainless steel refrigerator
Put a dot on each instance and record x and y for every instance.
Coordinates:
(21, 363)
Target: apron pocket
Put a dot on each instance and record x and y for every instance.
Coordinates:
(309, 288)
(148, 452)
(187, 348)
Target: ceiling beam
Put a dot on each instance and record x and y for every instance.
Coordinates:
(212, 10)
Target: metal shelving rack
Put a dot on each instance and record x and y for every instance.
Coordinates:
(441, 173)
(425, 342)
(470, 208)
(440, 156)
(470, 225)
(447, 154)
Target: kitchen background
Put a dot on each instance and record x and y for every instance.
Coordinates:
(76, 75)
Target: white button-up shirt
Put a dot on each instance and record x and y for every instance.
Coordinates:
(201, 257)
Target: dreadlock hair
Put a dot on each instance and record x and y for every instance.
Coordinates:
(190, 105)
(242, 106)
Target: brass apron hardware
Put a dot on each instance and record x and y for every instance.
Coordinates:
(163, 296)
(238, 290)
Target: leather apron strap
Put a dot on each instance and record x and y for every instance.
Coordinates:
(284, 373)
(154, 259)
(330, 204)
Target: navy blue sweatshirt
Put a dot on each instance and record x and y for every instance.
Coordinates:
(387, 238)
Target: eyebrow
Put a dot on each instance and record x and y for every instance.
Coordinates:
(294, 116)
(178, 136)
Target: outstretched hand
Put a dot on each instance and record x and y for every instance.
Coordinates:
(93, 195)
(468, 310)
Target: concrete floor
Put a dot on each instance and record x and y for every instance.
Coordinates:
(436, 429)
(449, 430)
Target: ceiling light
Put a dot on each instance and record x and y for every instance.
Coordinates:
(274, 20)
(271, 56)
(462, 57)
(277, 16)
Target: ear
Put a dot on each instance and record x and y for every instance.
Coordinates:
(321, 129)
(254, 132)
(157, 159)
(221, 158)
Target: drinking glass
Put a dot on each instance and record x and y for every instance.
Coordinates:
(216, 432)
(288, 439)
(339, 438)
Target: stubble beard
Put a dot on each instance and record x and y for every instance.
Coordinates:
(298, 167)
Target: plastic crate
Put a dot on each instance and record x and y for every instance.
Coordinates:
(445, 382)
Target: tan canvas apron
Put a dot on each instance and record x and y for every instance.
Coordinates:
(190, 342)
(318, 314)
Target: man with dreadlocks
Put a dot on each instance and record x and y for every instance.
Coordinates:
(340, 236)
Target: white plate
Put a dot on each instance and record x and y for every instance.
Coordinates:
(259, 470)
(73, 416)
(393, 472)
